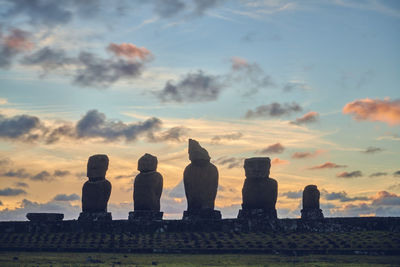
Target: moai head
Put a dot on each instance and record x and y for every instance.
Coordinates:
(197, 154)
(257, 167)
(311, 197)
(147, 163)
(97, 167)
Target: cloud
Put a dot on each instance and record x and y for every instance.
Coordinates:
(394, 137)
(1, 203)
(293, 194)
(377, 174)
(16, 42)
(251, 75)
(19, 214)
(230, 162)
(19, 127)
(175, 134)
(64, 197)
(327, 165)
(11, 192)
(372, 150)
(40, 176)
(21, 184)
(341, 196)
(95, 125)
(91, 70)
(129, 51)
(352, 174)
(309, 117)
(232, 136)
(48, 59)
(304, 155)
(273, 110)
(272, 149)
(173, 8)
(168, 8)
(20, 173)
(374, 110)
(384, 198)
(294, 85)
(397, 173)
(277, 161)
(95, 71)
(194, 87)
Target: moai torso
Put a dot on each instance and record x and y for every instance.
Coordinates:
(96, 192)
(311, 197)
(259, 191)
(148, 185)
(200, 179)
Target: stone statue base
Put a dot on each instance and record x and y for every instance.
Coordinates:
(145, 215)
(45, 217)
(312, 214)
(201, 215)
(257, 214)
(95, 216)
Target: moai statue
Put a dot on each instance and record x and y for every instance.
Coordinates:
(259, 191)
(147, 190)
(311, 210)
(96, 192)
(200, 179)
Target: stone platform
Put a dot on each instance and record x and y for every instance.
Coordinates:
(145, 215)
(201, 215)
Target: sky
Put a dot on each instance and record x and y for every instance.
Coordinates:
(314, 85)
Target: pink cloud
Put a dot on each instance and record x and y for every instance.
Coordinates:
(278, 161)
(374, 110)
(309, 117)
(327, 165)
(238, 63)
(129, 51)
(303, 155)
(18, 40)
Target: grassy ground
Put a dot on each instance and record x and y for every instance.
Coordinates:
(214, 242)
(116, 259)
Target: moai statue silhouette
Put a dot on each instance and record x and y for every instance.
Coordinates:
(96, 192)
(311, 210)
(147, 190)
(259, 191)
(200, 180)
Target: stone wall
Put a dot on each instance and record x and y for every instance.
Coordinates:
(224, 225)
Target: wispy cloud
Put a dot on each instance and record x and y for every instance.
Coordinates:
(352, 174)
(304, 155)
(309, 117)
(272, 149)
(6, 192)
(327, 165)
(372, 150)
(273, 110)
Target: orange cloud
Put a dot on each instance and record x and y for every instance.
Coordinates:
(278, 161)
(238, 63)
(327, 165)
(18, 40)
(374, 110)
(129, 51)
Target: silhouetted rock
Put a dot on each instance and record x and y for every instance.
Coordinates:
(200, 179)
(147, 190)
(45, 217)
(96, 192)
(259, 191)
(311, 210)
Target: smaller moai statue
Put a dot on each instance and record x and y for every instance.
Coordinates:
(147, 190)
(311, 210)
(96, 192)
(200, 180)
(259, 191)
